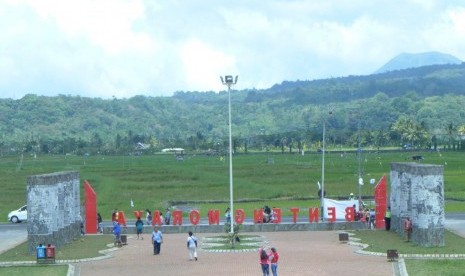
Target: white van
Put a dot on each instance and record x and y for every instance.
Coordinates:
(18, 215)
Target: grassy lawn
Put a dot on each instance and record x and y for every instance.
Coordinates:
(435, 267)
(381, 241)
(223, 242)
(36, 270)
(159, 181)
(86, 247)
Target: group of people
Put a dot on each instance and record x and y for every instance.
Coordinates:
(268, 214)
(157, 238)
(268, 259)
(408, 224)
(165, 220)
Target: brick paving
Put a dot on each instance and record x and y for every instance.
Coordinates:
(301, 253)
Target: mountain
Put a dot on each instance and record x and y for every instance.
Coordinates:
(406, 61)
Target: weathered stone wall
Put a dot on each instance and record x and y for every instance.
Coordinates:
(417, 192)
(53, 208)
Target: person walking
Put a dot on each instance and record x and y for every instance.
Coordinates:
(387, 219)
(148, 216)
(157, 240)
(99, 223)
(274, 261)
(139, 228)
(192, 246)
(264, 261)
(117, 233)
(167, 216)
(227, 215)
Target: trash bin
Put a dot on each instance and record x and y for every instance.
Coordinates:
(124, 239)
(40, 253)
(50, 253)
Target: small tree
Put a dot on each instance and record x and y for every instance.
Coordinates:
(234, 236)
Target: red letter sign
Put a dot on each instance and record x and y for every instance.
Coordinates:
(331, 214)
(213, 217)
(194, 217)
(177, 217)
(313, 214)
(294, 211)
(240, 216)
(350, 212)
(138, 214)
(258, 215)
(156, 220)
(277, 215)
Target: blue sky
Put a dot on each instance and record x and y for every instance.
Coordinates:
(119, 48)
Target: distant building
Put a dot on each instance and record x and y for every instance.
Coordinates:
(176, 151)
(141, 146)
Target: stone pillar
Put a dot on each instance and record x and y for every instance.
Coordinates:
(51, 206)
(417, 191)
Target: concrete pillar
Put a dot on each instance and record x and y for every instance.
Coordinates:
(48, 199)
(417, 191)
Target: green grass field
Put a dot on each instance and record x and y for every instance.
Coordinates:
(381, 241)
(159, 181)
(85, 247)
(39, 270)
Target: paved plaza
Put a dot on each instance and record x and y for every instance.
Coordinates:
(301, 253)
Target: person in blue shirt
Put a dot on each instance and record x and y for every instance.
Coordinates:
(157, 240)
(117, 233)
(139, 228)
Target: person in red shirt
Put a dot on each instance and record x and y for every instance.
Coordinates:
(264, 261)
(408, 228)
(274, 261)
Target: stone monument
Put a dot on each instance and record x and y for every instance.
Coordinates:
(417, 192)
(53, 208)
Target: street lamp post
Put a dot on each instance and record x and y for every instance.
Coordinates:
(323, 172)
(323, 168)
(230, 81)
(359, 158)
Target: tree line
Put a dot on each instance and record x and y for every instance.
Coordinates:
(419, 108)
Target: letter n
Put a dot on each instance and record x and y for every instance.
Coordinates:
(258, 215)
(177, 217)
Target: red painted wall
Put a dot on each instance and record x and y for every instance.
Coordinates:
(380, 202)
(91, 208)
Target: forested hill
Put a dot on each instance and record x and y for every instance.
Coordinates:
(425, 81)
(383, 106)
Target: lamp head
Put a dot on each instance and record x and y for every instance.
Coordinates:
(229, 79)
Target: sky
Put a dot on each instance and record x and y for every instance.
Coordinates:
(121, 48)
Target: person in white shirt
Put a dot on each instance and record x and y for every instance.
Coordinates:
(192, 246)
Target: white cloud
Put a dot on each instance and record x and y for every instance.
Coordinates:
(203, 65)
(124, 48)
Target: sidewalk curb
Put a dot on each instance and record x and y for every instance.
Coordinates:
(104, 252)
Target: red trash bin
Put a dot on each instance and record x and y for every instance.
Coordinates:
(50, 253)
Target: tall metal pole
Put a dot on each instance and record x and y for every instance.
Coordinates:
(323, 172)
(228, 80)
(359, 151)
